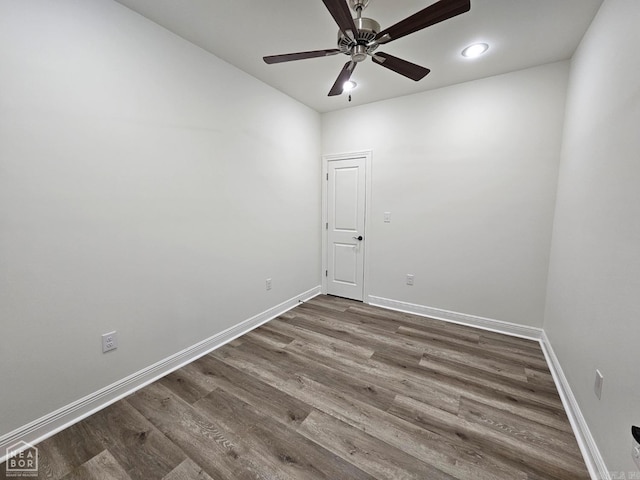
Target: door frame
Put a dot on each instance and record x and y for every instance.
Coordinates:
(367, 155)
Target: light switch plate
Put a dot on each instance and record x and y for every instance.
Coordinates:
(635, 445)
(597, 387)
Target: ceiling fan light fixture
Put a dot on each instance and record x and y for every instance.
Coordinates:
(475, 50)
(349, 85)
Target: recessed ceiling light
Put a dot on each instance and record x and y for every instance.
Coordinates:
(475, 50)
(348, 86)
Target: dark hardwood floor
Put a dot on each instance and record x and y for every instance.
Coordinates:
(336, 389)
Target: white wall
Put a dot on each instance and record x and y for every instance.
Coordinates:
(593, 310)
(145, 186)
(469, 174)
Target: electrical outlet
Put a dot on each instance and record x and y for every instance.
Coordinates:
(109, 341)
(268, 284)
(635, 445)
(409, 279)
(597, 387)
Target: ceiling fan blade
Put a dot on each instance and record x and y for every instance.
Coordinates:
(408, 69)
(344, 76)
(438, 12)
(340, 12)
(289, 57)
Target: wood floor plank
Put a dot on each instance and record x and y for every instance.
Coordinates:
(366, 452)
(250, 389)
(543, 380)
(407, 320)
(135, 443)
(196, 435)
(67, 450)
(336, 389)
(505, 346)
(510, 448)
(337, 345)
(270, 337)
(493, 350)
(356, 334)
(427, 376)
(187, 470)
(235, 342)
(267, 364)
(486, 365)
(384, 325)
(101, 467)
(330, 302)
(531, 347)
(276, 451)
(433, 361)
(365, 417)
(188, 383)
(424, 445)
(520, 429)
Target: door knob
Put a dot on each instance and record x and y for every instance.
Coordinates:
(359, 238)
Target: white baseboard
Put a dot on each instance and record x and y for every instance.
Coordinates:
(513, 329)
(66, 416)
(592, 457)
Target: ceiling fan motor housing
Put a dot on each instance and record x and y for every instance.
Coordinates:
(367, 31)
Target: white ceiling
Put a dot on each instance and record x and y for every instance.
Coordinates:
(521, 34)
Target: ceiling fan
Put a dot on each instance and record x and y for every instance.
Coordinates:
(360, 36)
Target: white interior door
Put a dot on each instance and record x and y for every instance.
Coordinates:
(346, 197)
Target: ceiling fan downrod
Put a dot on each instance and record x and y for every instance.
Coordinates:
(358, 5)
